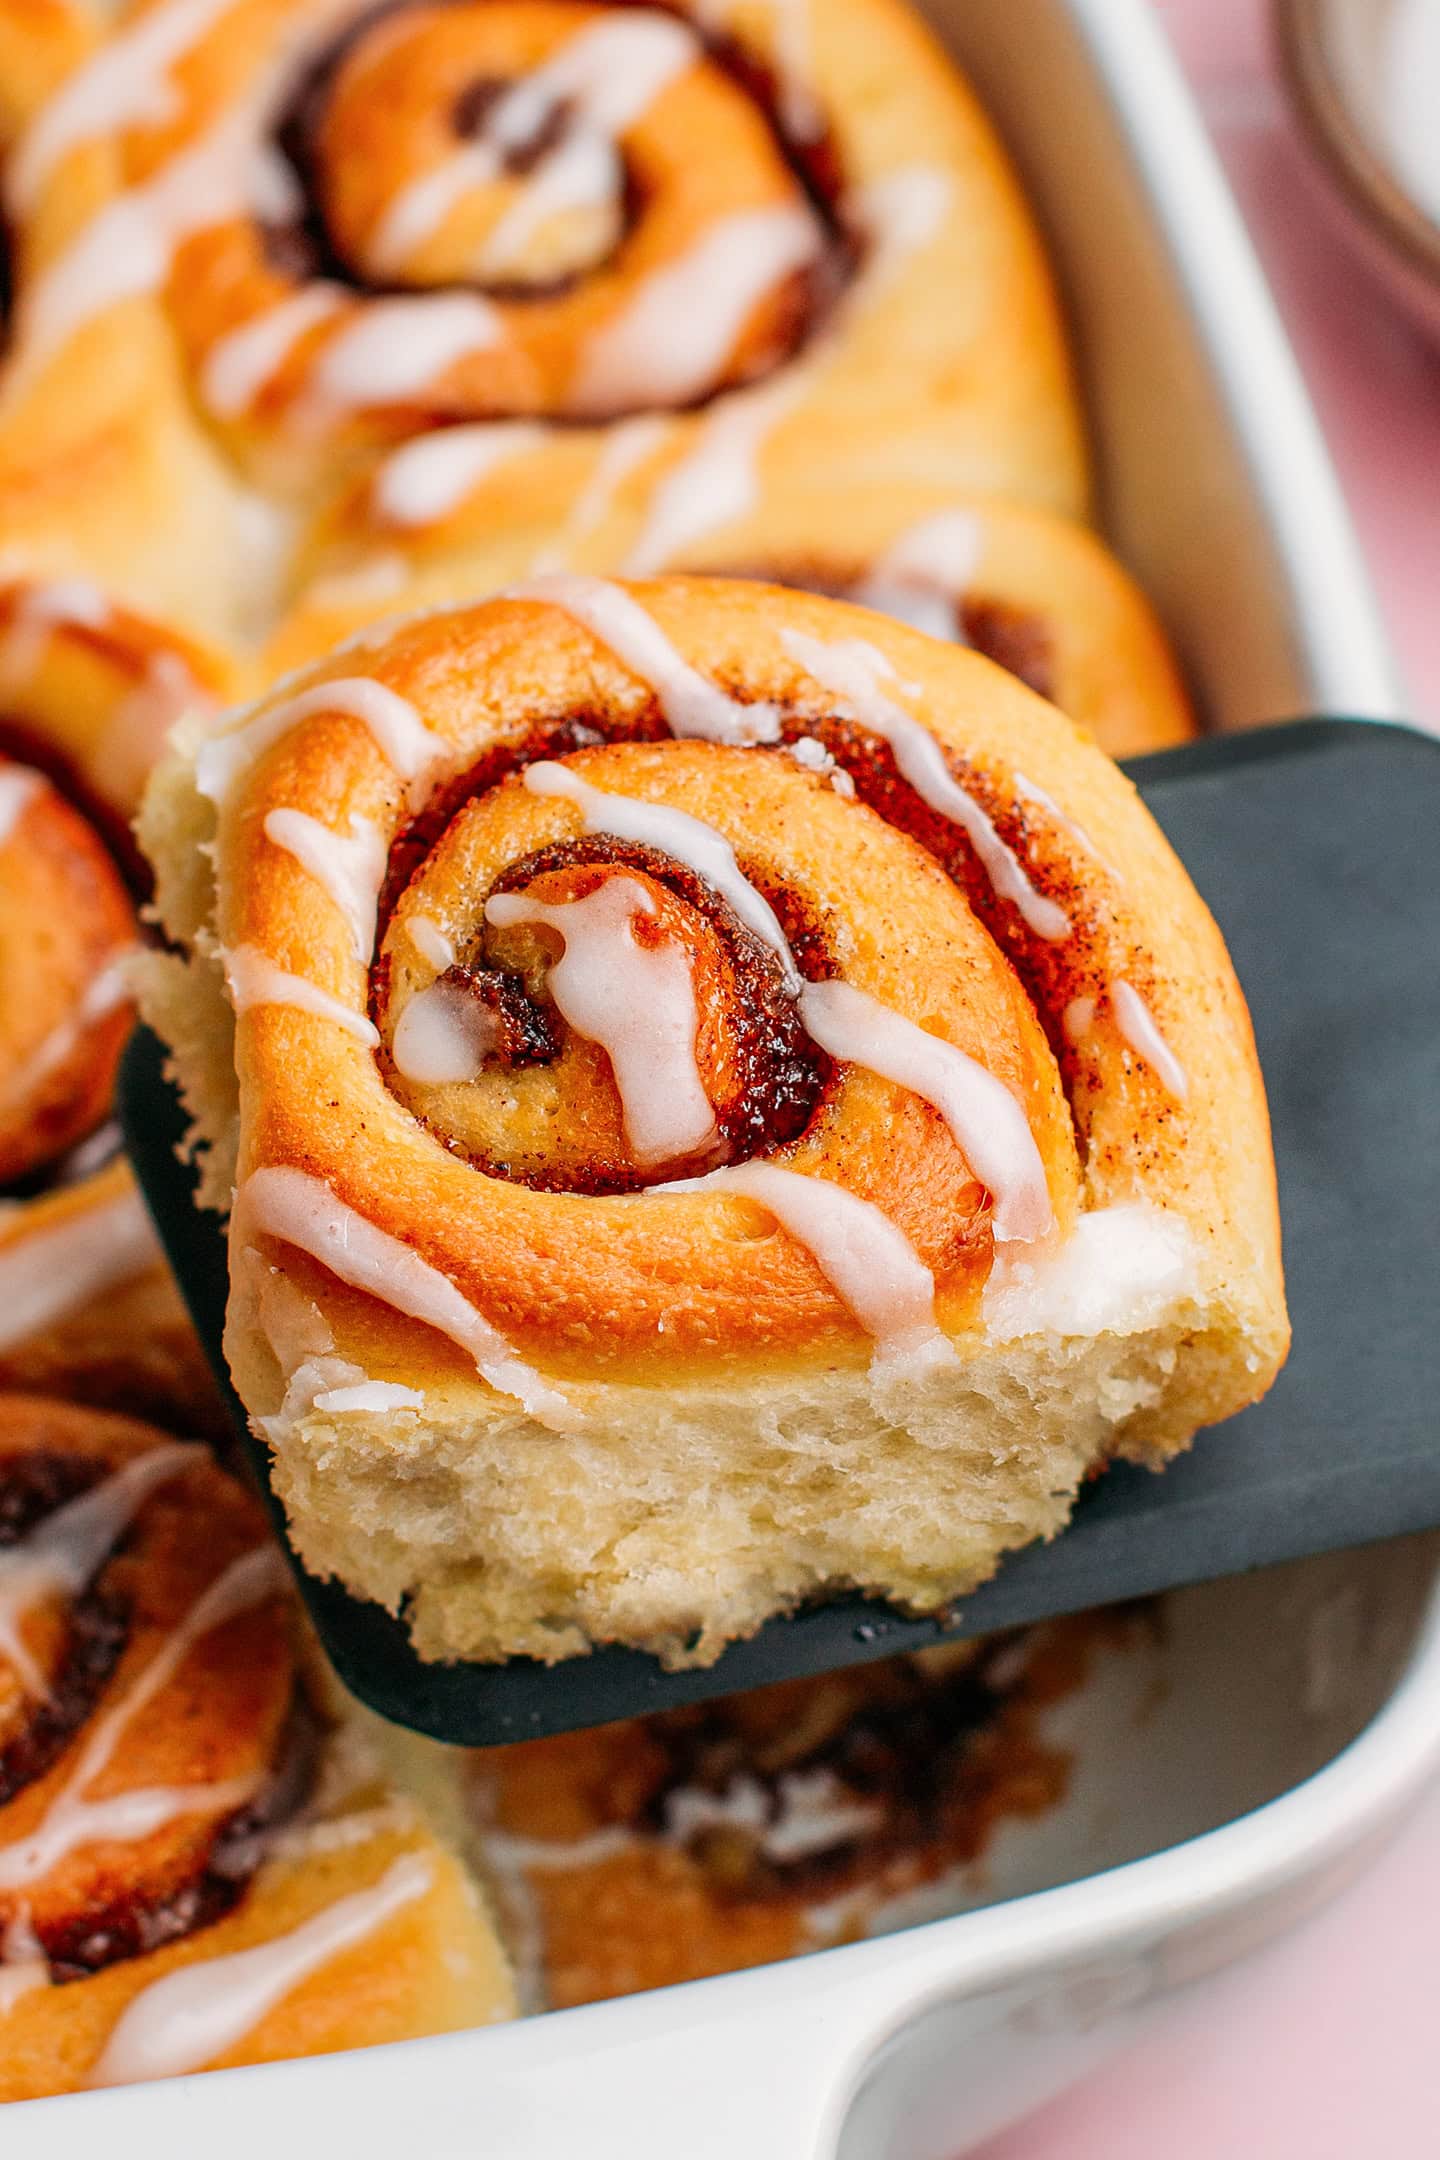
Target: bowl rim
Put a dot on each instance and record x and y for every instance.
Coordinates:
(1371, 187)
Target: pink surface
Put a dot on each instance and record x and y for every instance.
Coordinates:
(1375, 378)
(1321, 2049)
(1324, 2048)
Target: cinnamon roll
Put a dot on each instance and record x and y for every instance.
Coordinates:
(41, 42)
(89, 690)
(86, 1304)
(1038, 594)
(761, 1826)
(355, 226)
(196, 1869)
(703, 1051)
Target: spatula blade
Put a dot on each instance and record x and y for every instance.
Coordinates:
(1316, 846)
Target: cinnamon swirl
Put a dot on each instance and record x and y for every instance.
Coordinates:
(761, 1826)
(196, 1870)
(1036, 593)
(735, 1097)
(357, 226)
(86, 1305)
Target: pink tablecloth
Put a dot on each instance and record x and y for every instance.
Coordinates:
(1324, 2048)
(1375, 380)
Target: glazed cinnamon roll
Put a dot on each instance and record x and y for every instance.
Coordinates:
(41, 42)
(356, 226)
(86, 1305)
(1038, 594)
(89, 690)
(702, 1050)
(196, 1868)
(761, 1826)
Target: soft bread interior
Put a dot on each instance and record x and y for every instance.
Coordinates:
(680, 1516)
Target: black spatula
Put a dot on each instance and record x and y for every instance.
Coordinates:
(1318, 847)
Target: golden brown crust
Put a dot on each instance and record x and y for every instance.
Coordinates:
(124, 410)
(769, 1824)
(89, 689)
(680, 1310)
(41, 41)
(170, 1673)
(87, 1307)
(215, 1722)
(66, 923)
(1041, 596)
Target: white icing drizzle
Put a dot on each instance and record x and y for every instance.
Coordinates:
(789, 57)
(186, 2019)
(680, 328)
(36, 613)
(810, 753)
(583, 172)
(392, 720)
(553, 1856)
(901, 212)
(123, 85)
(636, 1001)
(394, 348)
(604, 79)
(21, 1978)
(923, 575)
(688, 839)
(19, 786)
(868, 1262)
(854, 670)
(349, 867)
(62, 1552)
(625, 446)
(49, 1273)
(430, 476)
(988, 1124)
(717, 480)
(1028, 791)
(378, 577)
(127, 748)
(369, 1395)
(19, 1943)
(292, 1324)
(443, 1036)
(72, 1820)
(689, 704)
(253, 979)
(945, 548)
(1077, 1020)
(1141, 1030)
(810, 1812)
(238, 366)
(422, 206)
(1122, 1269)
(800, 112)
(430, 941)
(104, 994)
(276, 194)
(127, 248)
(921, 607)
(304, 1211)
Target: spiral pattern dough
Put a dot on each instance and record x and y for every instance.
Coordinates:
(196, 1868)
(747, 1097)
(275, 238)
(1036, 593)
(87, 691)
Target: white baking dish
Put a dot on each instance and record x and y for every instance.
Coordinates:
(1234, 1772)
